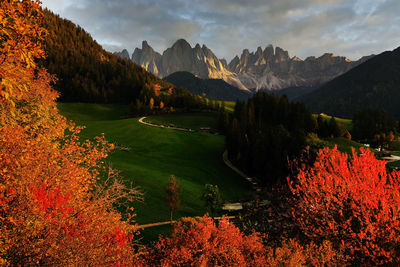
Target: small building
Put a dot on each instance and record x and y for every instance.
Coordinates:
(205, 130)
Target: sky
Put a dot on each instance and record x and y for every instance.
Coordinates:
(351, 28)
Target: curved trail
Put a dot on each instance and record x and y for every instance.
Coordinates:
(163, 126)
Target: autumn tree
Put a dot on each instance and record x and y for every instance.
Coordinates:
(352, 202)
(173, 199)
(211, 197)
(53, 208)
(199, 242)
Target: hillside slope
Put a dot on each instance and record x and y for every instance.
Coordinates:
(85, 71)
(213, 88)
(375, 84)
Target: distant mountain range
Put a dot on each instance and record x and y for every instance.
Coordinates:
(268, 69)
(216, 89)
(374, 84)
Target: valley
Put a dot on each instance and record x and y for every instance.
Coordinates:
(154, 154)
(184, 158)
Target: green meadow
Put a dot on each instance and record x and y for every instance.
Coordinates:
(155, 153)
(347, 123)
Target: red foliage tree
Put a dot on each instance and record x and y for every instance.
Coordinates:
(353, 202)
(53, 209)
(199, 242)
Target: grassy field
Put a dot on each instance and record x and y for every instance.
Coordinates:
(347, 123)
(193, 121)
(343, 144)
(230, 105)
(155, 154)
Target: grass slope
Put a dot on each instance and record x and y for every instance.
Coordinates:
(347, 123)
(155, 154)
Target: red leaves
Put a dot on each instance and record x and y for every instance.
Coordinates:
(201, 243)
(51, 202)
(350, 201)
(53, 211)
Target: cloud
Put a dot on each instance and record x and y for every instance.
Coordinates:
(351, 28)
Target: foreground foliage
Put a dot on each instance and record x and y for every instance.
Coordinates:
(200, 242)
(353, 202)
(52, 210)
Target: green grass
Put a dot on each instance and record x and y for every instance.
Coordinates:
(155, 154)
(193, 121)
(395, 145)
(347, 123)
(343, 144)
(230, 106)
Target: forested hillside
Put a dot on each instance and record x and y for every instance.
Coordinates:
(374, 84)
(85, 71)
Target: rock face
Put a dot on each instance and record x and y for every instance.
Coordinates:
(274, 70)
(268, 69)
(124, 54)
(147, 58)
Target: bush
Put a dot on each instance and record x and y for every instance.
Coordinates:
(353, 202)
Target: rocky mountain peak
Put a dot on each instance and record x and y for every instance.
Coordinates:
(181, 44)
(281, 55)
(268, 52)
(124, 54)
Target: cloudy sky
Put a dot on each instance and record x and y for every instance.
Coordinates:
(351, 28)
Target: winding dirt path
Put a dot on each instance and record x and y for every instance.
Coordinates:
(141, 120)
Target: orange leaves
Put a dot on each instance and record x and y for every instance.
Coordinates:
(201, 243)
(53, 210)
(350, 201)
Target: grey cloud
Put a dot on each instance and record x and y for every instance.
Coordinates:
(351, 28)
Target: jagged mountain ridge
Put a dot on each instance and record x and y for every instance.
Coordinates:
(268, 69)
(199, 60)
(275, 69)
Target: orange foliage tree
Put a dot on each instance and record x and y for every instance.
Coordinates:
(292, 254)
(53, 209)
(353, 202)
(199, 242)
(173, 199)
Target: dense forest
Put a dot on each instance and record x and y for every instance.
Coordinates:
(85, 71)
(375, 127)
(265, 132)
(374, 84)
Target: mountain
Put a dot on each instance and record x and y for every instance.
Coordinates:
(85, 71)
(199, 60)
(216, 89)
(268, 69)
(274, 69)
(292, 93)
(124, 54)
(375, 84)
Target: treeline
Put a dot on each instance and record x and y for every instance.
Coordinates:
(375, 127)
(85, 71)
(151, 101)
(264, 133)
